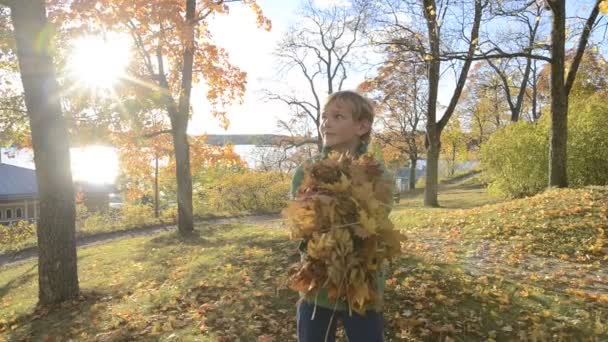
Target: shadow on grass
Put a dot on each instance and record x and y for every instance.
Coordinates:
(70, 319)
(431, 302)
(234, 282)
(19, 281)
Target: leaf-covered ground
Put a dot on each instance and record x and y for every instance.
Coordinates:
(531, 269)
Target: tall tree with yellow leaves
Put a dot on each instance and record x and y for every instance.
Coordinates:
(176, 50)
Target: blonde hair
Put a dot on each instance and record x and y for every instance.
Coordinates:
(363, 109)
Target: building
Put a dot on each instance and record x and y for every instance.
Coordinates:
(18, 194)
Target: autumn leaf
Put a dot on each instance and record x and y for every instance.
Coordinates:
(339, 210)
(603, 6)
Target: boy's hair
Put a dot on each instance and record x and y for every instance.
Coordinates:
(363, 108)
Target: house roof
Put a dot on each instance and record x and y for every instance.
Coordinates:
(17, 183)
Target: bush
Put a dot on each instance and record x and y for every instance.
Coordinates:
(515, 160)
(588, 142)
(170, 214)
(134, 215)
(244, 192)
(130, 216)
(17, 232)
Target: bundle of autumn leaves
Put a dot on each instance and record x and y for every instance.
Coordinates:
(341, 210)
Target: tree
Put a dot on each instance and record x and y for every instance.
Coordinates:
(561, 84)
(148, 164)
(453, 145)
(440, 21)
(482, 109)
(320, 47)
(509, 70)
(57, 262)
(142, 149)
(171, 38)
(400, 89)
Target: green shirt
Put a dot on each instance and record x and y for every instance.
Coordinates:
(321, 298)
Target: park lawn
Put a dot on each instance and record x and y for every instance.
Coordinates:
(224, 283)
(228, 284)
(101, 224)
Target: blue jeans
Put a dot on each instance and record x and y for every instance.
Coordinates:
(368, 328)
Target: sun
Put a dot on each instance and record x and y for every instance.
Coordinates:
(97, 62)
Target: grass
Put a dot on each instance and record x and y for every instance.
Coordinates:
(106, 224)
(221, 284)
(566, 223)
(227, 283)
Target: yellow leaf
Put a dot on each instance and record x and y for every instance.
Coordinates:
(604, 7)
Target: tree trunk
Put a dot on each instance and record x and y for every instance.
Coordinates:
(156, 204)
(453, 164)
(412, 177)
(179, 125)
(432, 173)
(434, 128)
(535, 112)
(185, 222)
(57, 263)
(559, 99)
(433, 133)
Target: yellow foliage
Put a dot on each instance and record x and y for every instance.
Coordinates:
(17, 232)
(604, 7)
(243, 192)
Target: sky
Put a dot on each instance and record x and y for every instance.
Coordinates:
(251, 49)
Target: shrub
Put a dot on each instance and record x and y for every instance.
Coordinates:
(515, 160)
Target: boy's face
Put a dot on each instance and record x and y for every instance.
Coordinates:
(339, 128)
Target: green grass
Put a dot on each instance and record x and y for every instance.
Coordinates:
(222, 283)
(107, 224)
(227, 283)
(567, 223)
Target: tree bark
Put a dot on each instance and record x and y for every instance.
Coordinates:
(185, 221)
(156, 204)
(179, 115)
(559, 98)
(57, 262)
(180, 127)
(535, 112)
(412, 177)
(434, 128)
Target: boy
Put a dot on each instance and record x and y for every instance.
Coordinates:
(346, 128)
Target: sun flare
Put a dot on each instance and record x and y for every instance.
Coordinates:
(95, 164)
(99, 62)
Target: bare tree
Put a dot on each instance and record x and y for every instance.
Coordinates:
(400, 89)
(319, 48)
(445, 25)
(529, 18)
(482, 109)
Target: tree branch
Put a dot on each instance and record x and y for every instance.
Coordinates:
(581, 46)
(157, 133)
